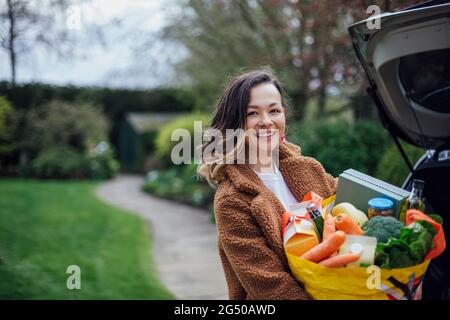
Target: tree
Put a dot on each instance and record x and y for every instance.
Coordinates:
(25, 24)
(226, 37)
(305, 42)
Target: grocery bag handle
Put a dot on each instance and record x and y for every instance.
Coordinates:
(413, 215)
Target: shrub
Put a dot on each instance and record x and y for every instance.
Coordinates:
(392, 167)
(112, 101)
(340, 145)
(6, 111)
(163, 143)
(59, 162)
(179, 183)
(148, 138)
(8, 126)
(59, 123)
(103, 164)
(65, 162)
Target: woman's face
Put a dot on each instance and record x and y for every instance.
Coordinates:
(265, 119)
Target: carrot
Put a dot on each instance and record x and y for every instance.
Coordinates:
(347, 224)
(328, 227)
(340, 261)
(326, 248)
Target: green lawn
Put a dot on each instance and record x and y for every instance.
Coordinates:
(47, 226)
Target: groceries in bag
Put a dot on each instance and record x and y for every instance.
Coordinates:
(358, 188)
(383, 228)
(347, 208)
(415, 199)
(311, 207)
(316, 216)
(337, 268)
(300, 234)
(380, 207)
(362, 245)
(346, 223)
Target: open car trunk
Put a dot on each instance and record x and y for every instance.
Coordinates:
(407, 63)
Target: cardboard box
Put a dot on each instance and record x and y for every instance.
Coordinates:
(300, 236)
(358, 188)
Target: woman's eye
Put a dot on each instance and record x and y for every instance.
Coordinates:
(275, 110)
(251, 113)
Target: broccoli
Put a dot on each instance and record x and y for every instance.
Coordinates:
(416, 240)
(382, 228)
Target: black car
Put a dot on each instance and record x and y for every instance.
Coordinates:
(407, 63)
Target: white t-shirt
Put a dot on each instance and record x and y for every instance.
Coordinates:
(275, 182)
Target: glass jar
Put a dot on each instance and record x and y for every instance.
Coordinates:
(380, 207)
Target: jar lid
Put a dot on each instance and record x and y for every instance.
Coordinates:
(381, 203)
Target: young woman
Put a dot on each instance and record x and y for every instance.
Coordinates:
(252, 194)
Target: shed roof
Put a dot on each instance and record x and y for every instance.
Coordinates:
(144, 121)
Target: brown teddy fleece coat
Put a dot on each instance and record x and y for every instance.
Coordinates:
(248, 219)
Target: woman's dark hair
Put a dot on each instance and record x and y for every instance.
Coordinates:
(231, 109)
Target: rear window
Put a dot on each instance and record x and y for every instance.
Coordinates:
(426, 78)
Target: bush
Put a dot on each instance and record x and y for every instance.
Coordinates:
(6, 111)
(179, 183)
(8, 126)
(148, 138)
(163, 143)
(65, 162)
(112, 101)
(59, 123)
(103, 164)
(340, 145)
(392, 168)
(67, 142)
(59, 162)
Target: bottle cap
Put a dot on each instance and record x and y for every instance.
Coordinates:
(380, 203)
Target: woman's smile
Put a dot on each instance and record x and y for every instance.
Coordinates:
(266, 134)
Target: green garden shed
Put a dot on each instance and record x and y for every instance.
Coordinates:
(137, 132)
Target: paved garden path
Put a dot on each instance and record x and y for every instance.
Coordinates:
(184, 239)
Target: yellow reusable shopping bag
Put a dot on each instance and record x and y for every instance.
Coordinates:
(357, 283)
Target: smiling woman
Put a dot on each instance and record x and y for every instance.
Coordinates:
(249, 117)
(265, 116)
(252, 196)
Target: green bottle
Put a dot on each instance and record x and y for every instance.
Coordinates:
(415, 199)
(316, 216)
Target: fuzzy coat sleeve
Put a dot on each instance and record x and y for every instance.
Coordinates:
(259, 269)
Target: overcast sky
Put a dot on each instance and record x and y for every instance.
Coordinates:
(120, 63)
